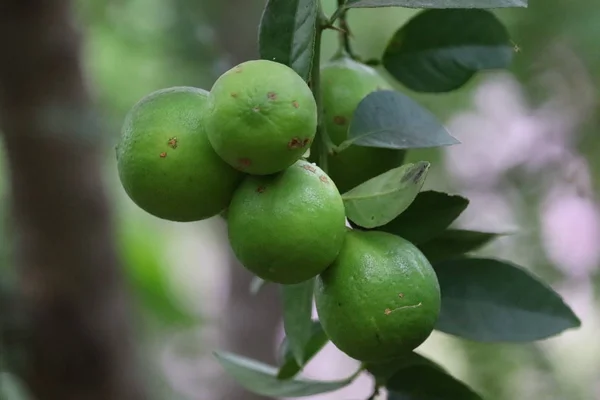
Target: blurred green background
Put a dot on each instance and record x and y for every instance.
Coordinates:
(183, 274)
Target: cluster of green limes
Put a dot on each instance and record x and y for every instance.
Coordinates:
(187, 154)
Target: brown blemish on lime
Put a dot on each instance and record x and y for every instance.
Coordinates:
(295, 104)
(309, 168)
(172, 142)
(244, 162)
(401, 295)
(295, 143)
(323, 179)
(305, 142)
(163, 154)
(272, 95)
(234, 95)
(339, 120)
(387, 311)
(261, 189)
(238, 69)
(256, 109)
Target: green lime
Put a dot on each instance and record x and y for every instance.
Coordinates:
(165, 161)
(263, 117)
(380, 299)
(287, 227)
(344, 83)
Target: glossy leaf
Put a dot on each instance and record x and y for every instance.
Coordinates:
(490, 300)
(287, 34)
(382, 198)
(386, 370)
(436, 3)
(297, 316)
(289, 367)
(262, 379)
(427, 382)
(428, 216)
(441, 50)
(389, 119)
(455, 242)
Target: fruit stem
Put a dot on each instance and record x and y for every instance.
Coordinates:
(344, 31)
(323, 144)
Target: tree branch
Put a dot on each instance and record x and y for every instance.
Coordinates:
(78, 343)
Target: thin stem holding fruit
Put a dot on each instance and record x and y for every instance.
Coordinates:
(323, 144)
(344, 31)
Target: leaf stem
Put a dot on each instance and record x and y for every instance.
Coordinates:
(344, 31)
(323, 144)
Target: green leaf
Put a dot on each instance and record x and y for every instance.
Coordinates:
(490, 300)
(382, 198)
(297, 316)
(427, 217)
(287, 34)
(386, 370)
(441, 50)
(455, 242)
(289, 367)
(427, 382)
(262, 379)
(436, 3)
(389, 119)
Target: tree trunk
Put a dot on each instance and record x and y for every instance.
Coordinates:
(78, 343)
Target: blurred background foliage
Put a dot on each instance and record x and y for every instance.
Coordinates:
(178, 273)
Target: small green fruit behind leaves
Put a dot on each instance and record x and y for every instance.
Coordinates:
(441, 50)
(436, 3)
(392, 120)
(287, 34)
(381, 199)
(344, 84)
(427, 216)
(289, 367)
(261, 379)
(490, 300)
(262, 117)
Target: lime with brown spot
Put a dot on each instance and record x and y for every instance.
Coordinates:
(380, 299)
(287, 227)
(165, 161)
(344, 83)
(263, 117)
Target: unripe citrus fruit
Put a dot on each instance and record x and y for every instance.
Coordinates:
(165, 161)
(263, 117)
(287, 227)
(380, 299)
(344, 83)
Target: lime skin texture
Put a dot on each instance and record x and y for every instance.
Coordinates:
(344, 83)
(165, 161)
(263, 117)
(287, 227)
(380, 299)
